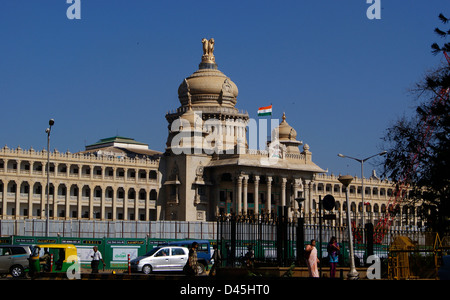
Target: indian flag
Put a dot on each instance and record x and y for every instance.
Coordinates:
(265, 111)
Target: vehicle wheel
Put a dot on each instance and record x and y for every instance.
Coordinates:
(201, 268)
(17, 271)
(147, 269)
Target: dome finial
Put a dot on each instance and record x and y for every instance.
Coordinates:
(284, 116)
(208, 59)
(208, 50)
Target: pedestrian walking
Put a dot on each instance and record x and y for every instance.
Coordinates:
(312, 260)
(249, 257)
(333, 249)
(96, 258)
(217, 257)
(192, 264)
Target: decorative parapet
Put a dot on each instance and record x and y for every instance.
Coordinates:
(265, 153)
(31, 154)
(356, 179)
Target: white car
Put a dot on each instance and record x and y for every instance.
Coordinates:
(166, 258)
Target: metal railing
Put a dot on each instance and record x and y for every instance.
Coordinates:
(280, 241)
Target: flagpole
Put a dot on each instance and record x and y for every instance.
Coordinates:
(270, 126)
(264, 111)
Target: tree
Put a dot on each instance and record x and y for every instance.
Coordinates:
(419, 146)
(446, 47)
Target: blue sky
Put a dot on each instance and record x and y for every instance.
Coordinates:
(341, 78)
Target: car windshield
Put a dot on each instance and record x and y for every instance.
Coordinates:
(153, 251)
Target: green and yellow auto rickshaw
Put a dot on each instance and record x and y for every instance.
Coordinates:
(53, 258)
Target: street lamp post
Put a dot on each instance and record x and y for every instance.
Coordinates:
(362, 182)
(352, 274)
(47, 210)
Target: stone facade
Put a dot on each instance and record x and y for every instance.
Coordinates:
(84, 186)
(99, 187)
(207, 169)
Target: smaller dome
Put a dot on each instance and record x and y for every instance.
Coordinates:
(285, 131)
(287, 136)
(194, 120)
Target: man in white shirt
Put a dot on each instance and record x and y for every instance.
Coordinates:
(96, 258)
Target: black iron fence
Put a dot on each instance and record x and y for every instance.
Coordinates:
(280, 241)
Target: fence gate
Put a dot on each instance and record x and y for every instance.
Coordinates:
(269, 240)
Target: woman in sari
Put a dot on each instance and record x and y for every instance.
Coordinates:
(312, 260)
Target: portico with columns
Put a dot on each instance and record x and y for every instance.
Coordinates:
(258, 190)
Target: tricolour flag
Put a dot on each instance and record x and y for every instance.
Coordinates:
(265, 111)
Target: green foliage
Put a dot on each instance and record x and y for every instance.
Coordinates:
(419, 147)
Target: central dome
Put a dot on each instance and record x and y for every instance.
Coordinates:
(208, 86)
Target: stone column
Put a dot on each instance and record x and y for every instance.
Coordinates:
(17, 204)
(256, 195)
(43, 199)
(147, 203)
(30, 197)
(114, 201)
(55, 199)
(67, 208)
(307, 204)
(102, 201)
(216, 209)
(239, 196)
(283, 192)
(91, 201)
(136, 206)
(269, 194)
(79, 201)
(125, 203)
(56, 173)
(294, 204)
(4, 194)
(245, 208)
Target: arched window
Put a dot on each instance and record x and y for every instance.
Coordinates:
(376, 208)
(12, 187)
(142, 194)
(97, 192)
(62, 190)
(25, 188)
(109, 192)
(153, 175)
(131, 194)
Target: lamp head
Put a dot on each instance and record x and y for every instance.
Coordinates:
(345, 180)
(299, 200)
(51, 122)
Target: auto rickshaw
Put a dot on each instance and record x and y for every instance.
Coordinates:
(53, 258)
